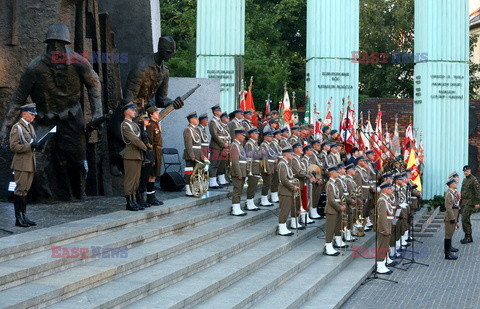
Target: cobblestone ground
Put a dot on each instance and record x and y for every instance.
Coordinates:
(444, 284)
(52, 214)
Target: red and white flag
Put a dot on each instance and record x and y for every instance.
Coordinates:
(396, 148)
(408, 142)
(328, 116)
(377, 141)
(287, 109)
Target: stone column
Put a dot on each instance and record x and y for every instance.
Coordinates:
(221, 46)
(332, 36)
(442, 88)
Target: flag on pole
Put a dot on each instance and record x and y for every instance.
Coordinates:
(250, 105)
(318, 123)
(267, 107)
(347, 128)
(328, 116)
(377, 140)
(295, 118)
(287, 110)
(387, 141)
(412, 165)
(396, 140)
(366, 136)
(421, 154)
(307, 119)
(408, 142)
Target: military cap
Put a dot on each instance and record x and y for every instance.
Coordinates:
(350, 166)
(287, 150)
(341, 165)
(192, 115)
(360, 158)
(248, 112)
(231, 115)
(237, 111)
(267, 133)
(297, 145)
(143, 117)
(240, 130)
(387, 175)
(216, 108)
(253, 130)
(450, 181)
(203, 116)
(325, 143)
(294, 128)
(307, 147)
(129, 105)
(332, 145)
(273, 120)
(277, 132)
(385, 184)
(466, 167)
(333, 131)
(31, 108)
(369, 152)
(325, 128)
(315, 142)
(453, 175)
(284, 130)
(151, 110)
(398, 176)
(224, 115)
(333, 169)
(354, 149)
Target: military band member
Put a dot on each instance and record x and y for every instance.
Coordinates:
(272, 125)
(333, 157)
(353, 190)
(384, 227)
(399, 191)
(252, 151)
(218, 145)
(222, 174)
(132, 156)
(452, 206)
(236, 122)
(318, 185)
(277, 137)
(267, 169)
(343, 187)
(24, 144)
(154, 130)
(470, 199)
(202, 131)
(247, 121)
(286, 190)
(193, 149)
(285, 136)
(309, 159)
(143, 122)
(295, 136)
(333, 212)
(300, 172)
(238, 169)
(324, 159)
(362, 178)
(311, 133)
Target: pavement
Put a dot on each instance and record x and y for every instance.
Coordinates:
(51, 214)
(443, 284)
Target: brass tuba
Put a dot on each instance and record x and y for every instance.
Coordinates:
(199, 180)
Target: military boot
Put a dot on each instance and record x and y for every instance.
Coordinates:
(129, 204)
(19, 221)
(467, 239)
(24, 212)
(141, 201)
(446, 248)
(134, 203)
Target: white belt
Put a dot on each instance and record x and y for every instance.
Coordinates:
(413, 197)
(242, 162)
(366, 187)
(337, 200)
(205, 144)
(390, 217)
(258, 161)
(197, 147)
(271, 161)
(404, 205)
(347, 194)
(372, 181)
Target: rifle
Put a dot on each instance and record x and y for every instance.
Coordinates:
(170, 108)
(95, 124)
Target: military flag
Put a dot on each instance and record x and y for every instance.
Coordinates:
(412, 165)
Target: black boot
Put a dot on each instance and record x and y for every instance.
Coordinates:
(141, 201)
(129, 204)
(134, 203)
(19, 221)
(452, 249)
(24, 212)
(467, 239)
(151, 199)
(446, 248)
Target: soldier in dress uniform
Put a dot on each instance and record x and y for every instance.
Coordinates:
(133, 155)
(333, 212)
(470, 199)
(311, 133)
(154, 130)
(277, 137)
(222, 174)
(202, 131)
(343, 187)
(285, 136)
(253, 153)
(295, 137)
(308, 159)
(362, 178)
(300, 172)
(304, 134)
(23, 142)
(271, 125)
(324, 159)
(318, 185)
(333, 157)
(385, 214)
(238, 169)
(268, 164)
(326, 134)
(286, 190)
(143, 122)
(352, 188)
(219, 145)
(193, 149)
(452, 206)
(399, 191)
(247, 121)
(236, 122)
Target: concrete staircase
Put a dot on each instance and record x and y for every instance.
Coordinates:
(187, 253)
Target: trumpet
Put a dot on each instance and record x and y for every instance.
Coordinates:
(343, 201)
(360, 223)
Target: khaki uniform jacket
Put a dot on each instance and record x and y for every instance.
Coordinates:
(232, 125)
(269, 155)
(285, 176)
(219, 135)
(332, 160)
(362, 178)
(202, 131)
(284, 142)
(247, 124)
(385, 214)
(299, 169)
(333, 198)
(294, 139)
(252, 151)
(131, 137)
(21, 135)
(341, 183)
(238, 160)
(193, 143)
(452, 205)
(154, 130)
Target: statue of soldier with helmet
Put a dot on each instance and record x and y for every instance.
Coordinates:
(55, 87)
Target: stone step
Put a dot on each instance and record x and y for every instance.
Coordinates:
(190, 247)
(37, 265)
(27, 243)
(294, 292)
(342, 286)
(238, 249)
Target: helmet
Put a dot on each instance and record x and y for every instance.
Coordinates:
(58, 32)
